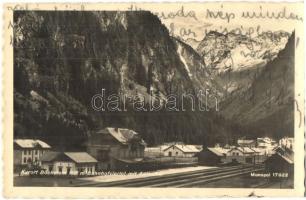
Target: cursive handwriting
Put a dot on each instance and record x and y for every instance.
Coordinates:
(182, 31)
(181, 12)
(271, 15)
(219, 14)
(178, 13)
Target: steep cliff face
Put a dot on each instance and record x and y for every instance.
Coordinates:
(267, 107)
(197, 70)
(62, 59)
(76, 50)
(236, 52)
(235, 59)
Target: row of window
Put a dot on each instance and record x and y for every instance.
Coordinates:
(29, 152)
(29, 160)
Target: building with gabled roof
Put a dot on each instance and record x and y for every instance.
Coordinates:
(116, 148)
(68, 163)
(28, 152)
(242, 151)
(31, 143)
(212, 156)
(122, 135)
(218, 150)
(181, 150)
(219, 155)
(80, 157)
(242, 155)
(281, 162)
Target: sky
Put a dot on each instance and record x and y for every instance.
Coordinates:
(192, 20)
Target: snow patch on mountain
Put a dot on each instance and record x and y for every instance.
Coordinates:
(224, 52)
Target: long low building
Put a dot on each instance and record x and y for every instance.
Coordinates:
(281, 162)
(173, 150)
(68, 163)
(219, 155)
(181, 150)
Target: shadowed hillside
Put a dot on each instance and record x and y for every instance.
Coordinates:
(62, 59)
(267, 107)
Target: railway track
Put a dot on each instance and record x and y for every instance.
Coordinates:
(184, 179)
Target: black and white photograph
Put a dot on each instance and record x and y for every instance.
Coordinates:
(176, 98)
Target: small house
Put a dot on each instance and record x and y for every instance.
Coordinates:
(212, 156)
(241, 155)
(118, 149)
(181, 150)
(29, 151)
(68, 163)
(280, 163)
